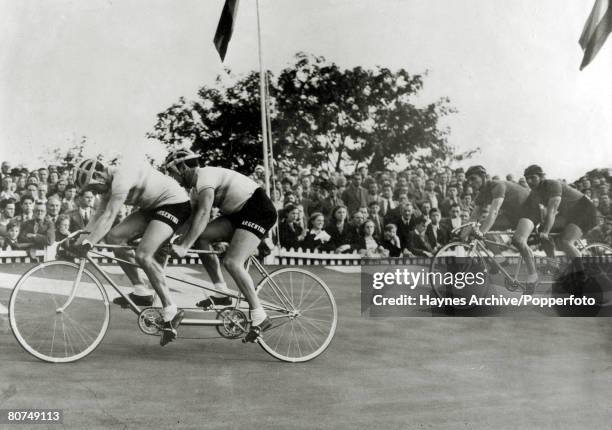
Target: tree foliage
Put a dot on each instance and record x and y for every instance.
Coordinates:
(320, 114)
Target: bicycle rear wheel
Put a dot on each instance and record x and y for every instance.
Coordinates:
(56, 319)
(303, 313)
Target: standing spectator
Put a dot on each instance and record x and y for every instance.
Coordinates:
(451, 199)
(316, 237)
(604, 205)
(430, 195)
(80, 217)
(6, 168)
(417, 189)
(355, 196)
(43, 188)
(26, 206)
(341, 234)
(393, 215)
(59, 188)
(6, 192)
(391, 241)
(386, 201)
(290, 231)
(435, 234)
(31, 190)
(43, 176)
(39, 231)
(406, 224)
(454, 220)
(373, 195)
(442, 184)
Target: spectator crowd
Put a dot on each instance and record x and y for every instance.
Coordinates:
(384, 213)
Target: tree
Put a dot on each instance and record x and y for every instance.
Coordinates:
(223, 124)
(320, 114)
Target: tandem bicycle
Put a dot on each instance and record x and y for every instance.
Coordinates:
(475, 254)
(59, 310)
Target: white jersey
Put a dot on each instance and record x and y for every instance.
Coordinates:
(142, 185)
(232, 189)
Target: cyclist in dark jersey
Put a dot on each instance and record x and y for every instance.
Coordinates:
(510, 206)
(567, 209)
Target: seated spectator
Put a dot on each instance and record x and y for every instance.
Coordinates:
(393, 215)
(62, 227)
(290, 231)
(7, 208)
(374, 216)
(316, 237)
(367, 245)
(11, 241)
(39, 231)
(342, 236)
(391, 241)
(68, 200)
(436, 234)
(54, 206)
(417, 243)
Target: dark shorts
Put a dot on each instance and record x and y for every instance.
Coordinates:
(257, 215)
(583, 214)
(173, 215)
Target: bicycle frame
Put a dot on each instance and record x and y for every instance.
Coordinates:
(288, 310)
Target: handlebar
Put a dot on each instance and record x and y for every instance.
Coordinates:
(461, 227)
(72, 236)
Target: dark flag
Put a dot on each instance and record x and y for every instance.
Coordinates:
(596, 30)
(225, 27)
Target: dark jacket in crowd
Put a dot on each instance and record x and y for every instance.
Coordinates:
(289, 233)
(44, 232)
(439, 238)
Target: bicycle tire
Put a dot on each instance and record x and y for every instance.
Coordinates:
(35, 303)
(292, 320)
(458, 257)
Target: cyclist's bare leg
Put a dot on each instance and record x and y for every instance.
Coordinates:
(243, 244)
(567, 242)
(219, 229)
(523, 230)
(132, 226)
(154, 236)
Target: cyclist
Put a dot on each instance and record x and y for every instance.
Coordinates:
(509, 206)
(567, 210)
(246, 215)
(163, 206)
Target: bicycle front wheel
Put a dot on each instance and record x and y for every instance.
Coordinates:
(303, 313)
(458, 274)
(54, 317)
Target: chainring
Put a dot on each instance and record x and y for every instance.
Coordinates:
(150, 321)
(235, 323)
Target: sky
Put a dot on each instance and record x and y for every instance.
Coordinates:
(105, 68)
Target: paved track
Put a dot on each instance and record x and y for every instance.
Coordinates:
(413, 373)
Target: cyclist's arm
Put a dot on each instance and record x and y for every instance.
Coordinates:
(103, 220)
(201, 217)
(551, 213)
(493, 212)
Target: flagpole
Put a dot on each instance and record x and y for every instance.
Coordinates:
(262, 99)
